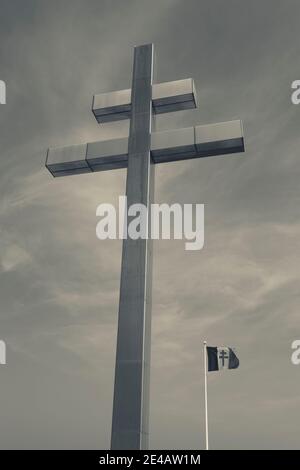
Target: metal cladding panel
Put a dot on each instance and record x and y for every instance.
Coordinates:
(176, 106)
(113, 106)
(75, 171)
(108, 154)
(174, 96)
(173, 145)
(113, 116)
(67, 160)
(109, 164)
(96, 151)
(221, 138)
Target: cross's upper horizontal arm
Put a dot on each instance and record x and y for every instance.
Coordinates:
(166, 97)
(166, 146)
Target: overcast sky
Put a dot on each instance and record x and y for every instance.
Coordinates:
(59, 285)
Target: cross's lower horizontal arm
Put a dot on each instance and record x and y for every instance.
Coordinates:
(179, 144)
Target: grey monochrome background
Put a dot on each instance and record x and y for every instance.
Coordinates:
(59, 285)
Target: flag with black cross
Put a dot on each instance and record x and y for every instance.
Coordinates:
(221, 358)
(216, 358)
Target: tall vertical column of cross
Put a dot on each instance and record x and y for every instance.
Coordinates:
(132, 373)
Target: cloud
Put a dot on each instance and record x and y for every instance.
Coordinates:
(60, 285)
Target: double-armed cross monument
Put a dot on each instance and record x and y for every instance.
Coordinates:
(138, 153)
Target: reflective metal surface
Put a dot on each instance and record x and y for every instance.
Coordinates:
(219, 139)
(113, 106)
(107, 154)
(166, 97)
(174, 96)
(66, 161)
(177, 144)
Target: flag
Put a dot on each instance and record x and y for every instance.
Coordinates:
(221, 358)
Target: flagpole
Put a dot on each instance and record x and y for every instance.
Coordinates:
(205, 393)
